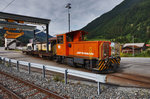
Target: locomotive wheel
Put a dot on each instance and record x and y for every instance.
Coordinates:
(75, 65)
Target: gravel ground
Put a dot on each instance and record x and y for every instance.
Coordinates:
(80, 90)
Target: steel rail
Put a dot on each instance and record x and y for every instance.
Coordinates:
(11, 94)
(47, 92)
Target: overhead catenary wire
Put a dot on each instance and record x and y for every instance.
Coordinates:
(8, 5)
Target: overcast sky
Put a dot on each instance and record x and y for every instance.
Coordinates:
(82, 11)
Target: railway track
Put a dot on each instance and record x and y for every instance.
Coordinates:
(15, 88)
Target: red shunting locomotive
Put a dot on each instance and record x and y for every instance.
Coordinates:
(95, 55)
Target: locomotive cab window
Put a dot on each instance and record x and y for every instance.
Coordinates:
(106, 49)
(60, 40)
(69, 37)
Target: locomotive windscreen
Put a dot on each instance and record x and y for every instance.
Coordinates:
(106, 50)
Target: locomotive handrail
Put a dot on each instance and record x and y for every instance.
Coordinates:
(95, 77)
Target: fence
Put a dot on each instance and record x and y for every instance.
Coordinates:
(95, 77)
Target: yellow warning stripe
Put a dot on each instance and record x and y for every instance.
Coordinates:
(108, 64)
(112, 61)
(101, 65)
(119, 61)
(105, 67)
(116, 61)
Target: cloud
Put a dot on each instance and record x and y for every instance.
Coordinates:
(82, 11)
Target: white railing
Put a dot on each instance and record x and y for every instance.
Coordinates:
(91, 76)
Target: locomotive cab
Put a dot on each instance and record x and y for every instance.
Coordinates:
(65, 41)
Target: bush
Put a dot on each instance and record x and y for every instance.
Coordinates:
(143, 54)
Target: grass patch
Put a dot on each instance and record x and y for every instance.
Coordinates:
(126, 55)
(142, 54)
(58, 78)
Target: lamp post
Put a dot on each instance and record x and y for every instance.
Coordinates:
(133, 42)
(133, 46)
(69, 7)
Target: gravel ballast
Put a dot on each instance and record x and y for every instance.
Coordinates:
(80, 90)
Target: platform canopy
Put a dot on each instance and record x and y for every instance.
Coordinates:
(12, 35)
(11, 20)
(29, 19)
(17, 26)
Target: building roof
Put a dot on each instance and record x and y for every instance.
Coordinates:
(148, 45)
(133, 44)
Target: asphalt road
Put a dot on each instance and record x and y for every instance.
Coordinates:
(136, 65)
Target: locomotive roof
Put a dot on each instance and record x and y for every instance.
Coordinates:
(77, 31)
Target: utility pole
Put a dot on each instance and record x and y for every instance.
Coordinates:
(133, 46)
(69, 7)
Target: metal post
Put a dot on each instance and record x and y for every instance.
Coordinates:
(47, 37)
(65, 76)
(10, 65)
(69, 7)
(17, 65)
(44, 71)
(29, 68)
(69, 19)
(133, 46)
(4, 61)
(9, 62)
(34, 41)
(98, 89)
(0, 59)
